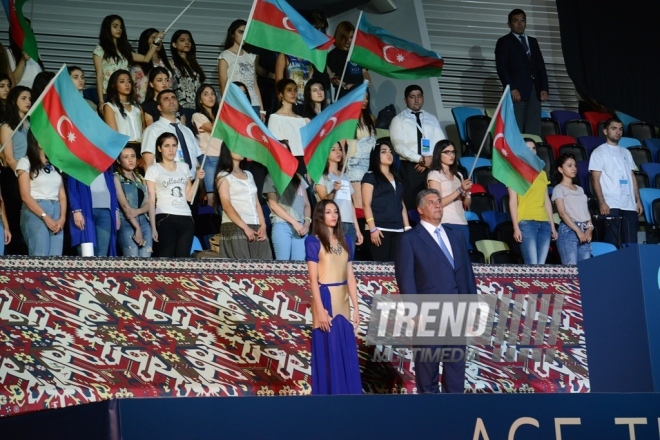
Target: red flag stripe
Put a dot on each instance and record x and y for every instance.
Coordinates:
(342, 115)
(270, 14)
(80, 146)
(523, 168)
(411, 60)
(245, 126)
(16, 29)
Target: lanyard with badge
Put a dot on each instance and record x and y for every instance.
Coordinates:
(624, 182)
(426, 142)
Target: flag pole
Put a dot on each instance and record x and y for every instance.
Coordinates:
(176, 19)
(348, 56)
(224, 96)
(490, 127)
(34, 105)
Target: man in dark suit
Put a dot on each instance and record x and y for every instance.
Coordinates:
(434, 259)
(520, 65)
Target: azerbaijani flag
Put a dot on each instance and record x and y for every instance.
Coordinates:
(21, 31)
(378, 50)
(71, 134)
(338, 121)
(514, 164)
(242, 131)
(276, 26)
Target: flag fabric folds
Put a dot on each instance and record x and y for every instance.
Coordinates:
(276, 26)
(378, 50)
(71, 134)
(242, 131)
(338, 121)
(514, 164)
(21, 31)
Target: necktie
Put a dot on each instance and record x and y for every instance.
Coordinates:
(182, 144)
(525, 46)
(443, 247)
(419, 132)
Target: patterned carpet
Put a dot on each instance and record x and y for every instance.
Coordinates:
(74, 331)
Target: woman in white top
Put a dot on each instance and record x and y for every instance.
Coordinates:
(170, 187)
(207, 109)
(243, 229)
(24, 68)
(455, 191)
(44, 202)
(285, 123)
(246, 69)
(121, 111)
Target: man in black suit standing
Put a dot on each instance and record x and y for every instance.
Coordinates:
(434, 259)
(520, 65)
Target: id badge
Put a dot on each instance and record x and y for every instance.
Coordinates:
(625, 187)
(344, 192)
(179, 154)
(426, 147)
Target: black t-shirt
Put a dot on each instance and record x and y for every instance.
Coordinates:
(386, 203)
(336, 62)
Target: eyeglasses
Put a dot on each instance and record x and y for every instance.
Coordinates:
(450, 152)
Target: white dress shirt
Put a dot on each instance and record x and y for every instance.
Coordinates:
(429, 227)
(161, 126)
(403, 133)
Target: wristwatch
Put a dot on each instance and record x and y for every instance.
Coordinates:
(43, 215)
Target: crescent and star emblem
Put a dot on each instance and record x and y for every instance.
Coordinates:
(399, 56)
(288, 26)
(499, 143)
(249, 128)
(71, 137)
(325, 130)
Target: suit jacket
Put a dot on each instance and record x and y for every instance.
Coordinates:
(422, 268)
(516, 70)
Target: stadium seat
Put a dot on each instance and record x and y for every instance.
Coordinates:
(652, 170)
(476, 256)
(482, 202)
(468, 161)
(505, 203)
(643, 180)
(476, 127)
(196, 245)
(479, 230)
(594, 118)
(629, 142)
(598, 248)
(504, 232)
(505, 257)
(471, 216)
(487, 247)
(641, 131)
(494, 218)
(578, 128)
(576, 150)
(498, 190)
(583, 176)
(653, 144)
(477, 189)
(590, 143)
(640, 155)
(547, 155)
(626, 120)
(557, 140)
(533, 137)
(460, 115)
(563, 116)
(648, 195)
(549, 126)
(484, 176)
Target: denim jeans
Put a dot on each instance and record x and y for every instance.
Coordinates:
(129, 247)
(570, 249)
(288, 245)
(2, 238)
(102, 225)
(209, 173)
(535, 241)
(40, 240)
(350, 234)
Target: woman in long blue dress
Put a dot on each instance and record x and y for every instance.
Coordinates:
(335, 367)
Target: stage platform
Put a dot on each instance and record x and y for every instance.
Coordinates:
(76, 331)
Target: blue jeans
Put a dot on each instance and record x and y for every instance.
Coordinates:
(570, 249)
(40, 240)
(209, 173)
(351, 236)
(102, 224)
(2, 238)
(535, 241)
(288, 245)
(128, 247)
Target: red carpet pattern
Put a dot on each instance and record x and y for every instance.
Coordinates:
(74, 331)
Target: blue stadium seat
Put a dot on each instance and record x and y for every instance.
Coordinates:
(460, 115)
(598, 248)
(651, 169)
(648, 195)
(629, 142)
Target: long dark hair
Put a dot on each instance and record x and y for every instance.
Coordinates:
(159, 142)
(107, 41)
(189, 66)
(225, 164)
(436, 163)
(310, 111)
(150, 95)
(281, 85)
(3, 104)
(321, 230)
(113, 94)
(13, 118)
(233, 27)
(143, 48)
(245, 90)
(34, 155)
(199, 107)
(366, 121)
(340, 165)
(374, 165)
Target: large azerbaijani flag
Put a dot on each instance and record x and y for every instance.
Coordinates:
(276, 26)
(71, 134)
(514, 164)
(21, 31)
(378, 50)
(242, 131)
(338, 121)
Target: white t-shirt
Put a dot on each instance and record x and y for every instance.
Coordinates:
(243, 197)
(131, 125)
(30, 72)
(46, 186)
(163, 126)
(342, 197)
(244, 72)
(170, 188)
(615, 164)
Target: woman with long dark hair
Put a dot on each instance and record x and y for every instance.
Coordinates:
(78, 77)
(140, 71)
(121, 111)
(44, 202)
(5, 87)
(207, 109)
(114, 52)
(454, 189)
(382, 201)
(187, 73)
(335, 366)
(285, 123)
(243, 228)
(315, 99)
(359, 150)
(159, 80)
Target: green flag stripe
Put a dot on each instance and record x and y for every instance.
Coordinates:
(371, 61)
(345, 130)
(279, 40)
(505, 173)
